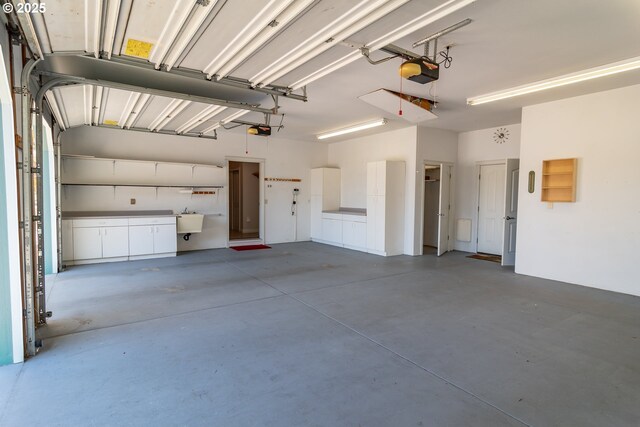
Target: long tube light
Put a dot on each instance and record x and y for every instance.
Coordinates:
(224, 121)
(174, 108)
(269, 31)
(351, 129)
(184, 37)
(567, 79)
(97, 101)
(414, 25)
(204, 115)
(354, 17)
(177, 20)
(137, 111)
(87, 94)
(357, 26)
(113, 9)
(128, 108)
(250, 31)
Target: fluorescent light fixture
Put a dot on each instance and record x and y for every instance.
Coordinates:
(224, 121)
(128, 108)
(269, 31)
(174, 108)
(412, 26)
(138, 108)
(188, 31)
(113, 9)
(176, 20)
(356, 128)
(261, 20)
(567, 79)
(356, 18)
(204, 115)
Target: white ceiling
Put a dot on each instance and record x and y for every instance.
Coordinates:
(509, 43)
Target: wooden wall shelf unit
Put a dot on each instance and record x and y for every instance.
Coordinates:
(559, 180)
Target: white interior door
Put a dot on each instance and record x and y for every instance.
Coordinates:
(444, 209)
(510, 212)
(491, 209)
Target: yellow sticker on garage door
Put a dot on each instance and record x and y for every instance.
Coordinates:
(138, 48)
(111, 122)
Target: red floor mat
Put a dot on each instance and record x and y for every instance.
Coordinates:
(250, 247)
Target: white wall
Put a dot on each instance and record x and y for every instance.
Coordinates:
(283, 159)
(478, 146)
(434, 145)
(352, 156)
(594, 241)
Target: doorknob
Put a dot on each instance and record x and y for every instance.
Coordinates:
(440, 214)
(509, 217)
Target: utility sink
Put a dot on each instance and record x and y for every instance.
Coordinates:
(190, 223)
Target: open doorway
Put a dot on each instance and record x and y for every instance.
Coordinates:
(436, 208)
(244, 201)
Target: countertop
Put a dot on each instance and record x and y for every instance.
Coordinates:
(348, 211)
(114, 214)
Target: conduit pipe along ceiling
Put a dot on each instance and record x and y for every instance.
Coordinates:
(567, 79)
(354, 128)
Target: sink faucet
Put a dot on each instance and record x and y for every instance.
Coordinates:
(185, 211)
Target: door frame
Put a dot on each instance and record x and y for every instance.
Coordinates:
(476, 213)
(421, 176)
(261, 166)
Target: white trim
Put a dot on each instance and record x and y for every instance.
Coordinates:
(261, 165)
(11, 200)
(451, 202)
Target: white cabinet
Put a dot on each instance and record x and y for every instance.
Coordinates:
(165, 239)
(354, 232)
(152, 239)
(140, 240)
(332, 231)
(87, 243)
(114, 239)
(91, 241)
(316, 217)
(385, 207)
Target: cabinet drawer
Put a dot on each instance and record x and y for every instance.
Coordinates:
(168, 220)
(336, 216)
(100, 222)
(354, 218)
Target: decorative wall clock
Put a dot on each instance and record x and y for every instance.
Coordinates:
(501, 135)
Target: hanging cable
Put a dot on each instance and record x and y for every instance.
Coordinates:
(446, 58)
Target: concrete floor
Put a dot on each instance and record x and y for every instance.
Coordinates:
(307, 334)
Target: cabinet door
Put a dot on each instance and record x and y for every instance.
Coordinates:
(141, 240)
(317, 178)
(371, 222)
(380, 223)
(115, 242)
(332, 231)
(67, 240)
(165, 239)
(87, 243)
(348, 233)
(316, 217)
(359, 234)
